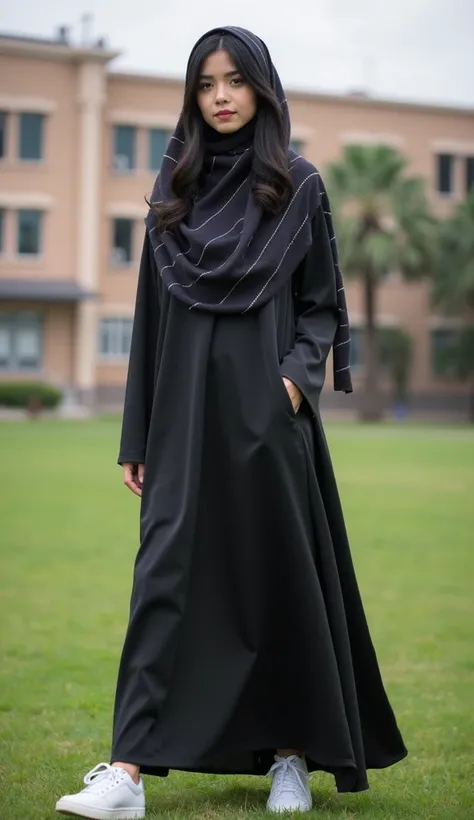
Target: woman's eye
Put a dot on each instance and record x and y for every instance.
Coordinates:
(237, 80)
(204, 86)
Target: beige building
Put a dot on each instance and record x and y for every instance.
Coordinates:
(79, 149)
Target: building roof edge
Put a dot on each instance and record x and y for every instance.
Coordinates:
(54, 49)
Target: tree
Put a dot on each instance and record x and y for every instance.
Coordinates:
(453, 288)
(383, 223)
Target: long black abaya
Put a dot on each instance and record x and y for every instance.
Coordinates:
(246, 631)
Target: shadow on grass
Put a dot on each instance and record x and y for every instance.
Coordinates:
(213, 800)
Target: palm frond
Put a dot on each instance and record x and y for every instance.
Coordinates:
(383, 217)
(453, 274)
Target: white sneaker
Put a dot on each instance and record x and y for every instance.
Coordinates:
(290, 785)
(110, 794)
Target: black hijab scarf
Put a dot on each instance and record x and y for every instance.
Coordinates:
(228, 256)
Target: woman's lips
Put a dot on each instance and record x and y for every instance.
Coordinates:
(225, 115)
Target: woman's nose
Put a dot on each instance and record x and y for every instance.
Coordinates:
(221, 94)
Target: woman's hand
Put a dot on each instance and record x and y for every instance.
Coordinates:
(295, 394)
(133, 477)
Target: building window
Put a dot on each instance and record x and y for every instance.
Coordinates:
(469, 174)
(357, 346)
(122, 242)
(20, 342)
(30, 223)
(115, 336)
(158, 140)
(6, 346)
(124, 148)
(31, 136)
(3, 134)
(445, 163)
(443, 347)
(296, 145)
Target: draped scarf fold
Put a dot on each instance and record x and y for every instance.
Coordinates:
(227, 256)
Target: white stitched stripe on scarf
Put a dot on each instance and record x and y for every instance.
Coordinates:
(204, 273)
(251, 41)
(315, 173)
(278, 266)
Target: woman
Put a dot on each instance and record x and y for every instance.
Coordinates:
(247, 648)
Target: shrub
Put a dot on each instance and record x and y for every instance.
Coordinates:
(28, 394)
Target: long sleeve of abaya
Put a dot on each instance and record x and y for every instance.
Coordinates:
(317, 315)
(141, 367)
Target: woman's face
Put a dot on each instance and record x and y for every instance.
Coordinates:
(226, 101)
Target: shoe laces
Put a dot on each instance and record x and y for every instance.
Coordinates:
(287, 776)
(103, 777)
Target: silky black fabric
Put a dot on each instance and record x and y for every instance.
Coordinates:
(247, 632)
(228, 256)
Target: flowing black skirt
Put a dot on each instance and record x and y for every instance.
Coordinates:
(246, 631)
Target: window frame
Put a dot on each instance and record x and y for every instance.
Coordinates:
(357, 348)
(115, 262)
(41, 118)
(3, 212)
(469, 174)
(167, 136)
(439, 371)
(14, 323)
(116, 166)
(121, 327)
(358, 357)
(39, 253)
(439, 173)
(4, 115)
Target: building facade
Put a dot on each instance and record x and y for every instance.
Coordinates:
(80, 146)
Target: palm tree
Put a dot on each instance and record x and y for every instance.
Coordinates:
(453, 287)
(383, 223)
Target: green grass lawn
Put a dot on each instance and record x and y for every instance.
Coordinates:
(69, 535)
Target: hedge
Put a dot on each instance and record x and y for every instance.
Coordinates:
(23, 394)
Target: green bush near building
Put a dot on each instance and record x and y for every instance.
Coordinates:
(18, 394)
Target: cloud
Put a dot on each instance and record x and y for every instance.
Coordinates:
(416, 49)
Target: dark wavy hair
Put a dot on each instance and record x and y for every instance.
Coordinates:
(272, 182)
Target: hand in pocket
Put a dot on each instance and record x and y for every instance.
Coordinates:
(296, 397)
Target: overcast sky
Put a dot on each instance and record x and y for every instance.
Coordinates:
(409, 49)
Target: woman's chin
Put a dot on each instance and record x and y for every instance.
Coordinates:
(227, 127)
